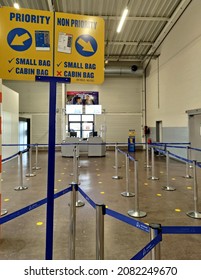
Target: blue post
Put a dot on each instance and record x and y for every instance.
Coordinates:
(51, 161)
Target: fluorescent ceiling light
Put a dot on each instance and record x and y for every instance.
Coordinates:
(123, 17)
(16, 5)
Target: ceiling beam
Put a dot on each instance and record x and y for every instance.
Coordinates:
(127, 43)
(137, 18)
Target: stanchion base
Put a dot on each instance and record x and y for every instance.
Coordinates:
(79, 203)
(188, 177)
(117, 177)
(20, 188)
(147, 166)
(168, 188)
(137, 214)
(153, 178)
(36, 168)
(193, 214)
(3, 212)
(30, 175)
(127, 194)
(116, 167)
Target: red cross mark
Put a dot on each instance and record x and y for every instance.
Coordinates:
(59, 73)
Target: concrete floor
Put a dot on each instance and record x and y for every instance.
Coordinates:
(24, 237)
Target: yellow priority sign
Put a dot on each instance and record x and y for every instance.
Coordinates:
(26, 40)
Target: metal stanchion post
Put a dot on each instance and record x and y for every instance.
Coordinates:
(73, 220)
(100, 212)
(147, 156)
(79, 203)
(116, 164)
(153, 177)
(74, 156)
(21, 187)
(136, 212)
(195, 214)
(168, 187)
(116, 176)
(127, 193)
(30, 164)
(190, 165)
(36, 167)
(187, 176)
(155, 229)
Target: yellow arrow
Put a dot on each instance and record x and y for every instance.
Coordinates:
(87, 47)
(19, 40)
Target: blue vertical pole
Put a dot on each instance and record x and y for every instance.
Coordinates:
(51, 160)
(51, 172)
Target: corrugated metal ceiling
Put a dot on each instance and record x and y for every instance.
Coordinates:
(147, 23)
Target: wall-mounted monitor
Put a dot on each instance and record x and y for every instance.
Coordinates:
(74, 109)
(93, 109)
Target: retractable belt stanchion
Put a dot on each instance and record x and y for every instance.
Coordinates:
(79, 203)
(100, 212)
(187, 176)
(36, 167)
(73, 220)
(116, 176)
(167, 187)
(153, 177)
(195, 214)
(147, 156)
(21, 187)
(127, 193)
(116, 164)
(136, 212)
(155, 229)
(30, 164)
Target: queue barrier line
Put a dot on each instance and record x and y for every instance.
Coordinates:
(14, 155)
(144, 251)
(31, 207)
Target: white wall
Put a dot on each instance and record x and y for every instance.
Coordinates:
(179, 72)
(120, 98)
(10, 115)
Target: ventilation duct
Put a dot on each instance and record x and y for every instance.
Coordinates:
(124, 71)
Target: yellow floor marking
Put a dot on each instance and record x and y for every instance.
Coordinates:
(173, 179)
(97, 169)
(4, 171)
(55, 190)
(98, 174)
(102, 192)
(161, 172)
(189, 188)
(39, 223)
(62, 173)
(100, 182)
(59, 180)
(6, 199)
(146, 184)
(159, 194)
(1, 180)
(27, 179)
(177, 210)
(64, 167)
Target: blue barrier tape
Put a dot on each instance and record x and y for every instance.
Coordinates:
(127, 220)
(93, 204)
(142, 253)
(196, 149)
(8, 158)
(122, 152)
(30, 207)
(131, 158)
(181, 230)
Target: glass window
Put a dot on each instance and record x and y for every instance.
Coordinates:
(74, 118)
(87, 118)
